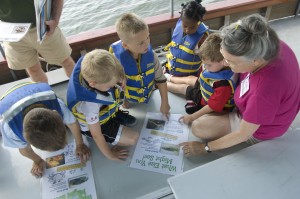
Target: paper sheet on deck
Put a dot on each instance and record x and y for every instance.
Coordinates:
(157, 149)
(13, 32)
(65, 177)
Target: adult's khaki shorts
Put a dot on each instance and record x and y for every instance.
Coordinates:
(24, 53)
(235, 120)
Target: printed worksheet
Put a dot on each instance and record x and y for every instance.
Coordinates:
(66, 177)
(157, 149)
(13, 32)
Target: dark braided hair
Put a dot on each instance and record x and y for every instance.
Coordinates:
(193, 10)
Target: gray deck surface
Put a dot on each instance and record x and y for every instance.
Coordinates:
(117, 180)
(267, 170)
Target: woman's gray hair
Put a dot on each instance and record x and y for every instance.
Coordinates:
(251, 38)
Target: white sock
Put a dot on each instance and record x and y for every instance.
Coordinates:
(168, 76)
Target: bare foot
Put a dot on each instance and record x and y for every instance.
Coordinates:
(193, 148)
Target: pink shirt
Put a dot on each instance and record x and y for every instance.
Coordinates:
(273, 99)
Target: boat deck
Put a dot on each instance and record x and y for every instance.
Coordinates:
(118, 180)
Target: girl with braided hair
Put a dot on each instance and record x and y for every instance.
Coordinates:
(188, 35)
(184, 64)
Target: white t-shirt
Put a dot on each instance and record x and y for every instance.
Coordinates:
(91, 112)
(10, 139)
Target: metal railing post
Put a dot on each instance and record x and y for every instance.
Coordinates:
(297, 8)
(172, 8)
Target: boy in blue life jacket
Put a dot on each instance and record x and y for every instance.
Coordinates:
(31, 114)
(94, 95)
(184, 64)
(213, 91)
(142, 67)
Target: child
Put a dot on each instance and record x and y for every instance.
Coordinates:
(215, 88)
(94, 97)
(31, 114)
(140, 63)
(188, 35)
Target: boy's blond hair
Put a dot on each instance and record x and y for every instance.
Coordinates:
(128, 25)
(210, 49)
(101, 66)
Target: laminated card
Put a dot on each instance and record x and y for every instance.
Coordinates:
(65, 177)
(157, 149)
(13, 32)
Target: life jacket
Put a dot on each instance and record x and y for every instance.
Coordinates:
(140, 77)
(207, 80)
(23, 97)
(77, 93)
(182, 60)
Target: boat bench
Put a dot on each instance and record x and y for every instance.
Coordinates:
(54, 77)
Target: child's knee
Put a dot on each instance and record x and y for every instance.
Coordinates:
(197, 130)
(194, 128)
(191, 80)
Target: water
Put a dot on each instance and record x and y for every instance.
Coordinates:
(82, 15)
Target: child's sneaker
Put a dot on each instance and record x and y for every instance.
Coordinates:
(87, 134)
(125, 119)
(191, 107)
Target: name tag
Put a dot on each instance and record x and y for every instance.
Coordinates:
(245, 86)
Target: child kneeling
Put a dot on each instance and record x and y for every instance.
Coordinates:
(94, 94)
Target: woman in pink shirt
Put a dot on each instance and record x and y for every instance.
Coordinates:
(268, 94)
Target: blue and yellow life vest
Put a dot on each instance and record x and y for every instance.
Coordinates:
(23, 97)
(77, 93)
(207, 80)
(182, 60)
(140, 76)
